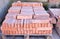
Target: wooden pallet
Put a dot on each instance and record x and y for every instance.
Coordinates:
(27, 36)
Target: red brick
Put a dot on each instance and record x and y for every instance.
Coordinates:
(14, 10)
(26, 4)
(25, 15)
(37, 4)
(26, 10)
(11, 15)
(41, 14)
(38, 8)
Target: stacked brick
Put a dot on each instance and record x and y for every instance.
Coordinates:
(56, 13)
(27, 18)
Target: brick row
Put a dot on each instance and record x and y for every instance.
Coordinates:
(32, 32)
(41, 32)
(14, 10)
(33, 4)
(36, 23)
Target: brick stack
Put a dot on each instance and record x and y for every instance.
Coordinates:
(27, 18)
(56, 13)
